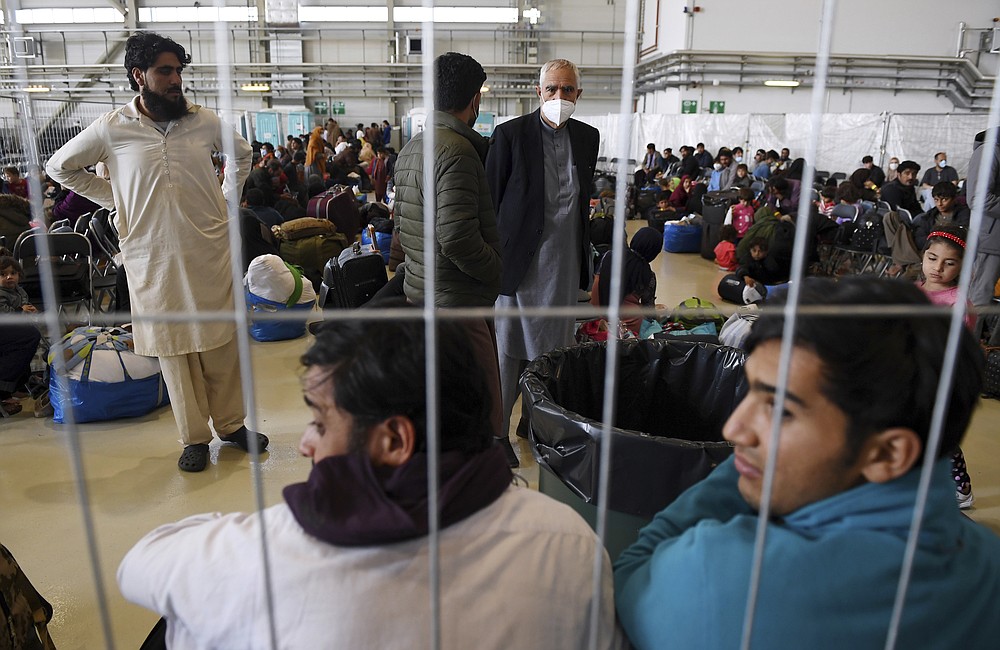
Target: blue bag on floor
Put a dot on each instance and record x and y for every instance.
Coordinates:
(275, 278)
(105, 379)
(383, 239)
(681, 238)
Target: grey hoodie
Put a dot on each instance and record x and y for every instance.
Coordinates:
(989, 231)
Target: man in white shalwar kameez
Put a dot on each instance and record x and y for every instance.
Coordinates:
(173, 226)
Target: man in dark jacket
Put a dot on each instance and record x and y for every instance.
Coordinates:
(467, 256)
(541, 173)
(987, 266)
(689, 166)
(898, 193)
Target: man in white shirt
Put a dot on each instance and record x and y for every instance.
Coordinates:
(349, 548)
(173, 224)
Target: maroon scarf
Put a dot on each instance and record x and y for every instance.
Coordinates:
(348, 502)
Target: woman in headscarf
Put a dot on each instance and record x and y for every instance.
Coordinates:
(638, 279)
(316, 154)
(678, 198)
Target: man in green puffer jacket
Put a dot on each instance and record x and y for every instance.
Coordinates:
(466, 246)
(468, 259)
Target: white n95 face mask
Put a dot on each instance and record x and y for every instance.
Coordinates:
(558, 111)
(942, 164)
(893, 166)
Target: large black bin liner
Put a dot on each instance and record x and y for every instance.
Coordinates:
(673, 399)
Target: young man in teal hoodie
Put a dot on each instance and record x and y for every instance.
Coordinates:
(853, 432)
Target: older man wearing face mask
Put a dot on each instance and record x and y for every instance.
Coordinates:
(541, 169)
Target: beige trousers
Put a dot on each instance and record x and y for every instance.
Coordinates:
(204, 386)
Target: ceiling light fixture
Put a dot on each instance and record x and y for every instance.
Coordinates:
(37, 89)
(256, 87)
(782, 83)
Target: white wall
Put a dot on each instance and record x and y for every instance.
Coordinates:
(770, 100)
(915, 27)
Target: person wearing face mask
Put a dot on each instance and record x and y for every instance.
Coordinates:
(541, 171)
(737, 155)
(893, 172)
(467, 261)
(941, 171)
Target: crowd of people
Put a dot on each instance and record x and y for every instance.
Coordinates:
(512, 226)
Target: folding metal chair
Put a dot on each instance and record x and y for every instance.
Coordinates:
(70, 260)
(105, 278)
(82, 224)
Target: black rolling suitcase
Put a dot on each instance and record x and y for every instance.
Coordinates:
(713, 215)
(352, 278)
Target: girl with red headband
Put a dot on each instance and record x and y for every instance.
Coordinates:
(941, 266)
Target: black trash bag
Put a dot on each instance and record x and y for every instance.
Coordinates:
(673, 399)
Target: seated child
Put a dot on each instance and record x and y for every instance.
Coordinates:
(638, 279)
(15, 184)
(662, 211)
(742, 178)
(17, 342)
(827, 200)
(725, 250)
(761, 267)
(743, 212)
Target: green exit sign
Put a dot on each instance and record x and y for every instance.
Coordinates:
(319, 108)
(717, 107)
(689, 106)
(338, 108)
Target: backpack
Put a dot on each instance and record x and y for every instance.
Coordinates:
(869, 233)
(694, 311)
(601, 230)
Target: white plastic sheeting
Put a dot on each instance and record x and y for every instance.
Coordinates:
(846, 137)
(919, 137)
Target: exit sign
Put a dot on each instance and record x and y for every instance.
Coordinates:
(319, 108)
(689, 106)
(338, 108)
(717, 107)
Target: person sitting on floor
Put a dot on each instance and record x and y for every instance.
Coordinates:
(254, 201)
(351, 543)
(725, 250)
(638, 279)
(852, 435)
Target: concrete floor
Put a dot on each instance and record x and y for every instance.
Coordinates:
(132, 483)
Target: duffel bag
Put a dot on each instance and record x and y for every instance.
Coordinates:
(273, 285)
(105, 379)
(681, 238)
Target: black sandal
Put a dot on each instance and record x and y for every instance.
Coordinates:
(239, 438)
(194, 458)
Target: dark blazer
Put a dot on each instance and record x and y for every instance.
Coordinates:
(516, 173)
